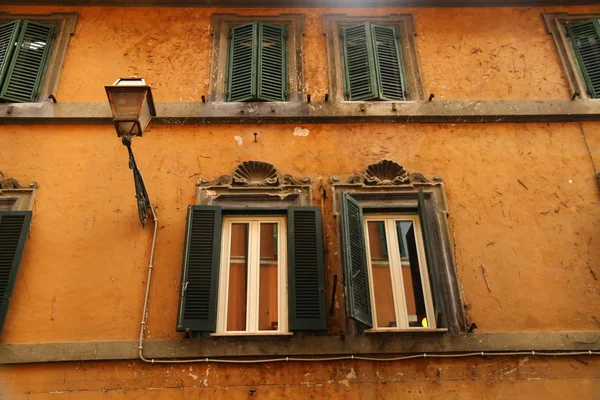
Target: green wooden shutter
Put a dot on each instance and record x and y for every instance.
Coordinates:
(355, 261)
(432, 267)
(272, 63)
(14, 226)
(26, 71)
(389, 65)
(242, 62)
(359, 62)
(200, 272)
(306, 274)
(8, 38)
(585, 39)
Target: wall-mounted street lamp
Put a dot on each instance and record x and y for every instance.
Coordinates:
(132, 108)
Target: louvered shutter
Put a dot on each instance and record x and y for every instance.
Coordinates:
(355, 261)
(306, 274)
(242, 62)
(272, 63)
(359, 62)
(14, 226)
(8, 38)
(585, 39)
(389, 65)
(200, 272)
(26, 71)
(432, 267)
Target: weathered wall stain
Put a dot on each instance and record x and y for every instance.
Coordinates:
(497, 378)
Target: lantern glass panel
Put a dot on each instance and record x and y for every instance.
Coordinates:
(126, 104)
(145, 114)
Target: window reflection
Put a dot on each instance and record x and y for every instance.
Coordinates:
(268, 294)
(238, 278)
(385, 312)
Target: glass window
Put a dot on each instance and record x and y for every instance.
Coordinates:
(400, 292)
(253, 276)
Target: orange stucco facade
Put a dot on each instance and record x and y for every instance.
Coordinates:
(523, 201)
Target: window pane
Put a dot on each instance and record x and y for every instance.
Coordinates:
(269, 258)
(382, 278)
(8, 203)
(411, 275)
(238, 278)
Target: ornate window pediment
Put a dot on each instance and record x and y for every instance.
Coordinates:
(386, 173)
(255, 182)
(388, 181)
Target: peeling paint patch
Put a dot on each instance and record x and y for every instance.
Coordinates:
(205, 380)
(239, 140)
(194, 377)
(303, 132)
(351, 374)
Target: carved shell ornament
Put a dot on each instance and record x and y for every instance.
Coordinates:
(385, 172)
(256, 173)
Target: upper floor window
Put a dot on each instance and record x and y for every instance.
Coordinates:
(577, 39)
(585, 41)
(257, 59)
(372, 58)
(24, 50)
(32, 49)
(257, 64)
(373, 65)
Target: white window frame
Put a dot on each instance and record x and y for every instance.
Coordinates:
(253, 282)
(395, 262)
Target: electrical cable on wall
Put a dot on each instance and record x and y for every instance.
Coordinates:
(317, 359)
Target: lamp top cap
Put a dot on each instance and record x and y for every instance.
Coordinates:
(133, 81)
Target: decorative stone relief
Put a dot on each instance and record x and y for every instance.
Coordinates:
(255, 184)
(386, 173)
(254, 174)
(11, 183)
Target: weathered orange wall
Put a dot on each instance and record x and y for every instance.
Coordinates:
(469, 379)
(465, 53)
(83, 272)
(536, 243)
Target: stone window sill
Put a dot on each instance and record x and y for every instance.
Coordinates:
(412, 330)
(257, 334)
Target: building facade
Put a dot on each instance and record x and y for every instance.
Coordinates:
(369, 202)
